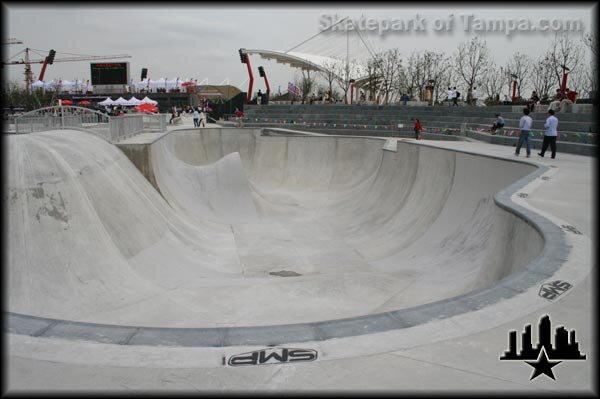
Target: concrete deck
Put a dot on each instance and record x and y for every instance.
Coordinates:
(403, 264)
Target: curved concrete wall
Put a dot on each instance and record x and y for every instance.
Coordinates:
(364, 229)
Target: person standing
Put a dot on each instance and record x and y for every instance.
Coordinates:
(550, 134)
(525, 127)
(239, 115)
(173, 115)
(449, 95)
(455, 95)
(418, 128)
(474, 96)
(259, 97)
(196, 115)
(202, 117)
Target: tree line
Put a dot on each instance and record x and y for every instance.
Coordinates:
(390, 75)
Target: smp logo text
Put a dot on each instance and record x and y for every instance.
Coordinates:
(554, 289)
(273, 356)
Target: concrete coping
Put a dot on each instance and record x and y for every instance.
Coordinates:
(553, 256)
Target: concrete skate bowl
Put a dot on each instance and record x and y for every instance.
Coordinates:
(244, 238)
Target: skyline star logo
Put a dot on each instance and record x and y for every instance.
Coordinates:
(544, 356)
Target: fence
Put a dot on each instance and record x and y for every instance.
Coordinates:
(124, 126)
(63, 117)
(109, 128)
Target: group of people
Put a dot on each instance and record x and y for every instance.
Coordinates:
(453, 95)
(198, 114)
(563, 101)
(550, 134)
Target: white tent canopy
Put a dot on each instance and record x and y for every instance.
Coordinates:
(44, 85)
(134, 101)
(147, 100)
(107, 101)
(120, 101)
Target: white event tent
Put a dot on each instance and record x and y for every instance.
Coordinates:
(147, 100)
(107, 101)
(134, 101)
(121, 101)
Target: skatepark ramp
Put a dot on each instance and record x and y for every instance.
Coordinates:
(242, 229)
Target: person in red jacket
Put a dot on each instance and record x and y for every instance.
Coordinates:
(239, 115)
(418, 128)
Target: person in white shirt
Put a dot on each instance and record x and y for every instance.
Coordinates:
(474, 95)
(196, 115)
(450, 95)
(550, 135)
(525, 127)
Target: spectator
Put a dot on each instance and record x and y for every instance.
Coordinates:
(499, 124)
(550, 134)
(259, 97)
(572, 95)
(196, 115)
(202, 118)
(456, 95)
(239, 115)
(404, 98)
(418, 128)
(525, 127)
(533, 100)
(566, 104)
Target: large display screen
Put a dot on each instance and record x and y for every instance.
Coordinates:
(110, 73)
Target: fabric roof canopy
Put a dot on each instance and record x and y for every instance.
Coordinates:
(310, 62)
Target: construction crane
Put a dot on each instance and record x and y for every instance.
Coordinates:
(11, 40)
(49, 59)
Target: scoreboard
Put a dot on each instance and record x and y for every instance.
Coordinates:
(110, 73)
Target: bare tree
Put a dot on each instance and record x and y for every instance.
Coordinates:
(542, 76)
(345, 74)
(494, 81)
(305, 82)
(591, 41)
(471, 60)
(373, 74)
(332, 66)
(435, 66)
(390, 66)
(520, 66)
(413, 73)
(578, 82)
(564, 51)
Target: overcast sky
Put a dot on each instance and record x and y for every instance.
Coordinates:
(202, 42)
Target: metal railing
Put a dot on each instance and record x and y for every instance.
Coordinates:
(69, 117)
(62, 117)
(124, 126)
